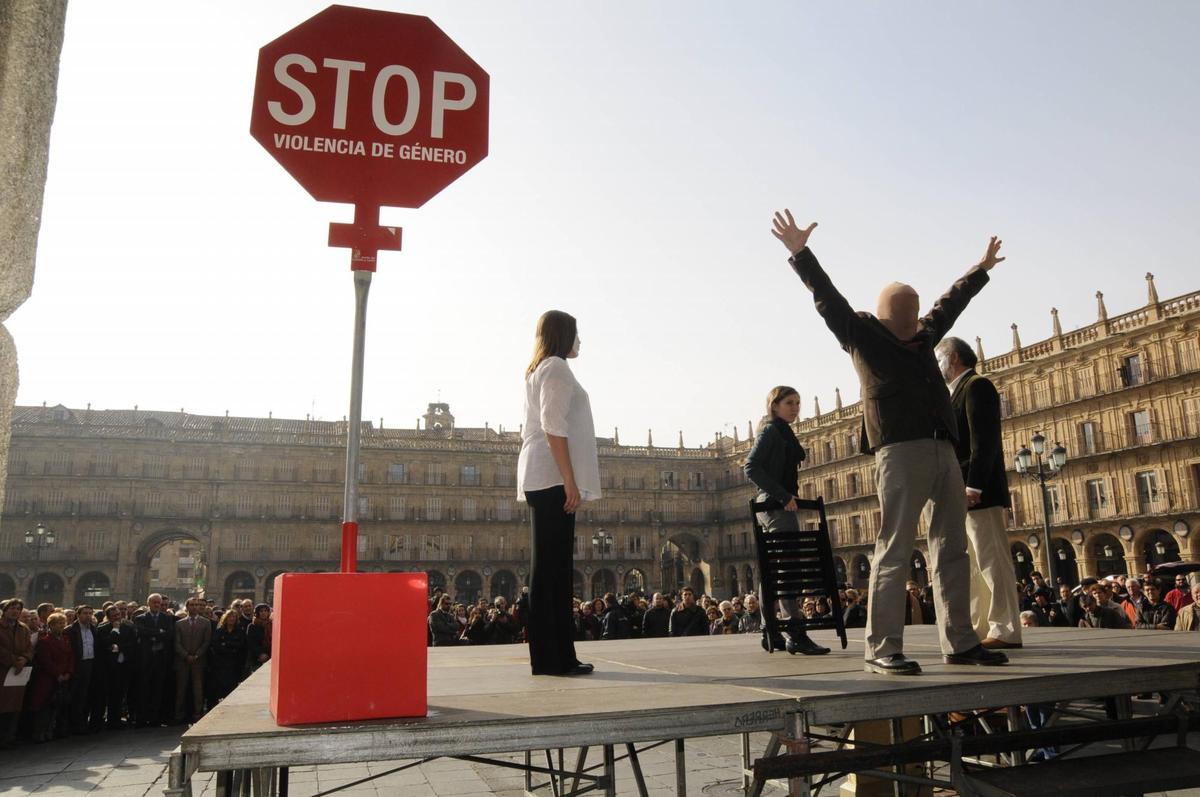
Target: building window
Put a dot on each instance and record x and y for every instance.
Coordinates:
(434, 474)
(1132, 371)
(433, 546)
(154, 467)
(829, 451)
(1140, 431)
(505, 478)
(1089, 437)
(397, 546)
(195, 505)
(363, 543)
(283, 505)
(469, 476)
(1189, 355)
(1097, 496)
(283, 542)
(833, 530)
(469, 512)
(1055, 500)
(433, 508)
(323, 473)
(669, 480)
(831, 491)
(633, 545)
(362, 472)
(321, 542)
(696, 480)
(104, 465)
(1191, 416)
(244, 470)
(504, 510)
(364, 507)
(397, 506)
(1147, 490)
(1085, 383)
(153, 504)
(397, 473)
(241, 541)
(285, 472)
(806, 491)
(324, 506)
(196, 468)
(97, 540)
(852, 486)
(856, 528)
(1042, 395)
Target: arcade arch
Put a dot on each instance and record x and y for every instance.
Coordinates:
(93, 588)
(47, 588)
(683, 563)
(1108, 554)
(504, 584)
(603, 582)
(8, 587)
(468, 587)
(239, 585)
(170, 562)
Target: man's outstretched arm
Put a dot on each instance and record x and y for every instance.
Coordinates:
(832, 306)
(949, 307)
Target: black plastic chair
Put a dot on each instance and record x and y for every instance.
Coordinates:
(794, 565)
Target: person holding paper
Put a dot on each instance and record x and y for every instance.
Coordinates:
(16, 652)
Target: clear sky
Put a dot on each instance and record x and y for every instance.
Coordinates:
(637, 153)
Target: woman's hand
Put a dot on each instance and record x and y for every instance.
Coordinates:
(573, 497)
(790, 506)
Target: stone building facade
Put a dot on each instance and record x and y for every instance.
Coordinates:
(248, 498)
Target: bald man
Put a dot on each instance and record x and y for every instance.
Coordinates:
(909, 426)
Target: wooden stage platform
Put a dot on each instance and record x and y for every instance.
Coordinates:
(484, 700)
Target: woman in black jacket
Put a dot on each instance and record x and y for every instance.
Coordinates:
(227, 656)
(772, 467)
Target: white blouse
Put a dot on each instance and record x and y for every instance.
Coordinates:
(556, 404)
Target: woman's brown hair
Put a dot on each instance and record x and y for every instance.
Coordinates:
(230, 615)
(555, 337)
(777, 394)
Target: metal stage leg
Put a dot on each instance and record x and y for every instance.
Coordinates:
(747, 765)
(1124, 706)
(636, 765)
(179, 779)
(798, 744)
(1014, 724)
(680, 769)
(610, 772)
(553, 776)
(283, 782)
(580, 760)
(528, 773)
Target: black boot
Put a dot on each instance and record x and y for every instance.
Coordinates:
(800, 642)
(773, 642)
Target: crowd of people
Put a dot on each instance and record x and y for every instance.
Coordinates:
(124, 664)
(1149, 602)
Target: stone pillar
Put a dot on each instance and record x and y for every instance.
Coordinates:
(31, 35)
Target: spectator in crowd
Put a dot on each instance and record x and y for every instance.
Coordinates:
(614, 623)
(1181, 595)
(738, 608)
(258, 636)
(1029, 619)
(50, 695)
(1067, 606)
(916, 612)
(87, 697)
(1188, 618)
(713, 617)
(588, 625)
(227, 653)
(1039, 585)
(116, 640)
(1040, 609)
(1098, 609)
(442, 623)
(657, 620)
(460, 617)
(44, 610)
(1153, 612)
(855, 614)
(688, 619)
(16, 653)
(1133, 599)
(156, 639)
(631, 605)
(193, 635)
(502, 628)
(727, 621)
(751, 621)
(476, 632)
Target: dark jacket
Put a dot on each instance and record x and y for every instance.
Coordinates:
(855, 616)
(1161, 613)
(774, 460)
(258, 643)
(444, 627)
(689, 621)
(124, 636)
(614, 624)
(74, 633)
(904, 396)
(656, 622)
(980, 454)
(156, 636)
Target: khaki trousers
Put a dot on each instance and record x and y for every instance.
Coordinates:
(910, 475)
(995, 609)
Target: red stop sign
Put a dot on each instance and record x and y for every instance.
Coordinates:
(370, 107)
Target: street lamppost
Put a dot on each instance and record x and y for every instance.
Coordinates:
(1031, 465)
(602, 544)
(39, 537)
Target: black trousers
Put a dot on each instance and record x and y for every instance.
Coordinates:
(551, 629)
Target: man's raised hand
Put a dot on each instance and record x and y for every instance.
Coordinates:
(990, 258)
(792, 236)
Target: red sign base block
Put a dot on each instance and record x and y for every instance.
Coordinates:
(348, 646)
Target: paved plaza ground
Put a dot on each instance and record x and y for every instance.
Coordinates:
(133, 763)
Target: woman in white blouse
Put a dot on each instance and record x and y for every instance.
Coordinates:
(557, 470)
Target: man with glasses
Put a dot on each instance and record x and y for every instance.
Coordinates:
(442, 624)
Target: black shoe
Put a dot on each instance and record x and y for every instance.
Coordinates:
(580, 668)
(977, 655)
(800, 642)
(772, 643)
(895, 664)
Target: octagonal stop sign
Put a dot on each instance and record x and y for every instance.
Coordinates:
(370, 107)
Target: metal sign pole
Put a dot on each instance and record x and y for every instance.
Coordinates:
(362, 286)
